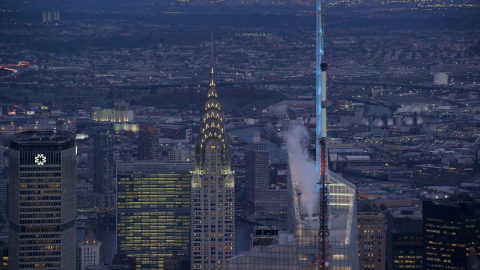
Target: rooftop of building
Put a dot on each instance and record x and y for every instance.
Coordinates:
(406, 212)
(150, 166)
(454, 203)
(363, 206)
(42, 137)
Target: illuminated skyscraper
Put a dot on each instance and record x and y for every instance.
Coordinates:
(450, 230)
(153, 211)
(404, 239)
(213, 189)
(371, 236)
(297, 246)
(43, 200)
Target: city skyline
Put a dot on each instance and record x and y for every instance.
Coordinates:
(176, 163)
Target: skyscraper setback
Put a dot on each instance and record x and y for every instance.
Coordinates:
(42, 200)
(213, 189)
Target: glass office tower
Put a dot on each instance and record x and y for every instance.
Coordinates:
(298, 245)
(42, 200)
(153, 211)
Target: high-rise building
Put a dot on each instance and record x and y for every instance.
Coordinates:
(177, 262)
(147, 143)
(153, 211)
(121, 259)
(371, 236)
(90, 251)
(3, 198)
(213, 189)
(450, 229)
(404, 239)
(42, 207)
(298, 246)
(263, 198)
(3, 255)
(103, 162)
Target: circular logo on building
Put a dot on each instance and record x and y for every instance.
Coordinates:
(40, 159)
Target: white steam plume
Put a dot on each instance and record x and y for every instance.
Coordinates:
(302, 170)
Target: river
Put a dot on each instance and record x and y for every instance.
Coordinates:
(243, 228)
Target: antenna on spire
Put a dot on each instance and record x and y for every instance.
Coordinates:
(212, 78)
(211, 47)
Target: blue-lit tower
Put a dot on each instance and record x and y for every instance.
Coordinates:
(323, 246)
(321, 83)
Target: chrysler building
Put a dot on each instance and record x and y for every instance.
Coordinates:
(213, 188)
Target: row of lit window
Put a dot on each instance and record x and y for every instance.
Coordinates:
(39, 209)
(39, 186)
(42, 180)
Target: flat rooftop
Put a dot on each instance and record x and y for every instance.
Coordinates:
(42, 137)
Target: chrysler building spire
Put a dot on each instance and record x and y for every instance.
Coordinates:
(213, 188)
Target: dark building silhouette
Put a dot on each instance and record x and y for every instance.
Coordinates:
(257, 173)
(103, 163)
(147, 143)
(450, 229)
(264, 199)
(121, 258)
(439, 175)
(43, 200)
(404, 248)
(176, 262)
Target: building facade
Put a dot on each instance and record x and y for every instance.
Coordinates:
(439, 175)
(371, 236)
(112, 115)
(450, 229)
(42, 207)
(213, 189)
(153, 211)
(103, 162)
(263, 198)
(90, 251)
(181, 154)
(147, 143)
(404, 239)
(3, 198)
(297, 246)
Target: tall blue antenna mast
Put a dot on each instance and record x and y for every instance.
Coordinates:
(323, 246)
